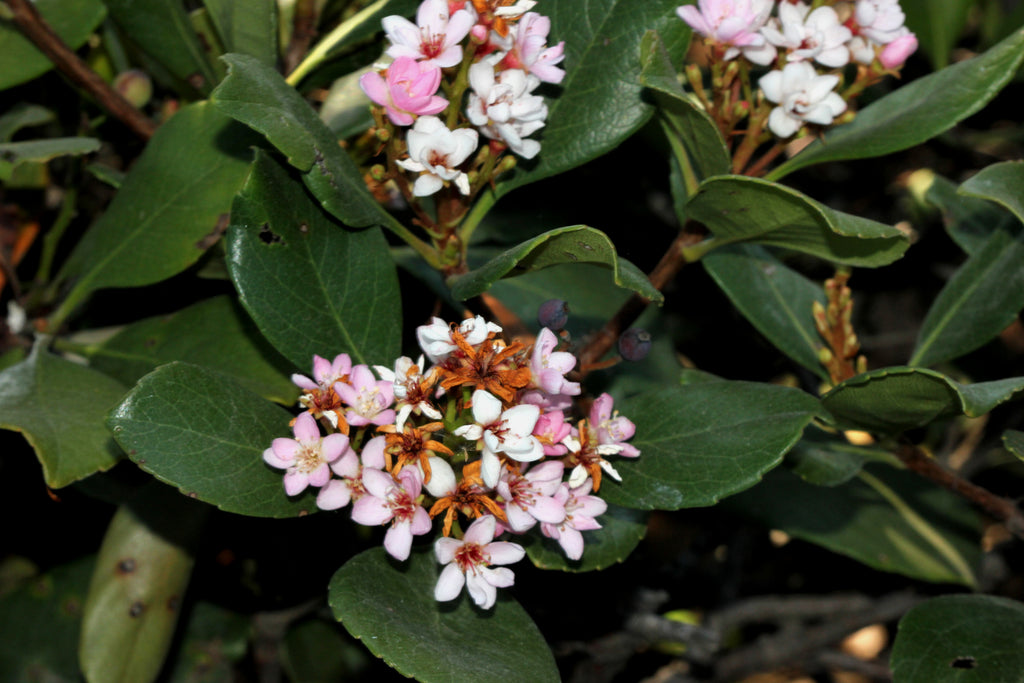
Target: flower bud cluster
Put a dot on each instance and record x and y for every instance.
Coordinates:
(497, 51)
(484, 435)
(805, 50)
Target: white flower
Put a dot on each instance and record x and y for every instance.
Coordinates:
(509, 432)
(803, 97)
(467, 563)
(435, 36)
(880, 20)
(436, 338)
(503, 107)
(435, 153)
(814, 35)
(512, 11)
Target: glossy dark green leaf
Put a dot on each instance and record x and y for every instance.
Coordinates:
(72, 20)
(600, 102)
(703, 442)
(692, 134)
(742, 209)
(1002, 183)
(39, 624)
(937, 25)
(246, 26)
(137, 587)
(215, 640)
(390, 606)
(571, 244)
(825, 460)
(59, 406)
(979, 301)
(205, 434)
(1013, 440)
(917, 111)
(960, 639)
(311, 286)
(162, 219)
(259, 97)
(886, 518)
(621, 531)
(968, 220)
(162, 29)
(895, 399)
(776, 299)
(14, 155)
(216, 333)
(318, 651)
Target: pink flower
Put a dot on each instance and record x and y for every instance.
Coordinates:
(349, 467)
(325, 373)
(408, 91)
(467, 563)
(551, 430)
(529, 497)
(368, 399)
(733, 23)
(435, 36)
(307, 457)
(387, 500)
(580, 511)
(612, 428)
(549, 366)
(895, 53)
(528, 50)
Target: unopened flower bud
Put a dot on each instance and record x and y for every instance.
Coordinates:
(478, 34)
(635, 344)
(895, 53)
(506, 164)
(553, 314)
(383, 134)
(824, 356)
(135, 86)
(378, 172)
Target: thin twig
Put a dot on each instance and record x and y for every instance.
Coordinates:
(663, 273)
(999, 508)
(35, 28)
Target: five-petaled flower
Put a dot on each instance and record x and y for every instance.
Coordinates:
(408, 91)
(468, 563)
(436, 154)
(390, 500)
(307, 457)
(435, 36)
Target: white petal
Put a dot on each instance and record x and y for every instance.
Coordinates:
(449, 584)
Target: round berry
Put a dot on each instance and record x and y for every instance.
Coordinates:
(553, 314)
(635, 344)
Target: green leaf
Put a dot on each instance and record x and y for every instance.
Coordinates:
(981, 299)
(742, 209)
(621, 531)
(216, 333)
(1013, 441)
(39, 625)
(937, 24)
(917, 111)
(44, 150)
(571, 244)
(601, 102)
(205, 434)
(776, 299)
(311, 286)
(961, 638)
(59, 406)
(703, 442)
(694, 137)
(259, 97)
(215, 641)
(247, 26)
(825, 460)
(1001, 183)
(72, 20)
(318, 651)
(137, 587)
(895, 399)
(968, 220)
(162, 30)
(886, 518)
(23, 115)
(390, 606)
(161, 220)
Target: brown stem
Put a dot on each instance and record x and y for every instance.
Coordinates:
(757, 168)
(35, 28)
(303, 32)
(996, 506)
(662, 274)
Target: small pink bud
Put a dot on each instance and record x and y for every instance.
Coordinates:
(895, 53)
(478, 34)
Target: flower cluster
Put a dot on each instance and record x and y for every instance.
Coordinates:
(805, 50)
(493, 49)
(484, 435)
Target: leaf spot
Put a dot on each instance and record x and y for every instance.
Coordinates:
(572, 256)
(268, 236)
(133, 452)
(126, 566)
(137, 608)
(173, 603)
(584, 246)
(304, 228)
(964, 663)
(150, 343)
(193, 494)
(196, 80)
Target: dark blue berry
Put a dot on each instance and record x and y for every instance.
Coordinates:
(635, 344)
(553, 314)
